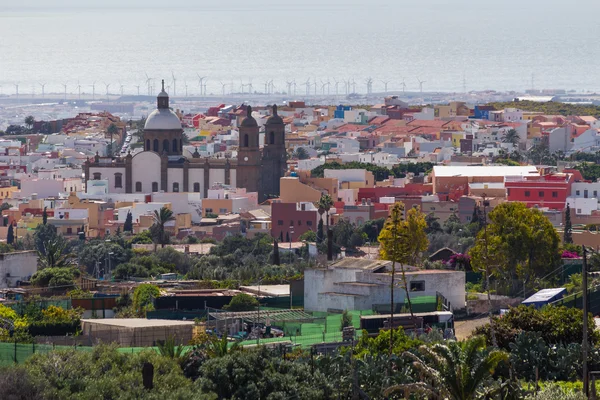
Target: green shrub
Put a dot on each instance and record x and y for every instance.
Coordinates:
(556, 325)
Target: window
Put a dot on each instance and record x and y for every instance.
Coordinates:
(147, 144)
(291, 222)
(309, 223)
(280, 222)
(595, 193)
(155, 186)
(175, 145)
(196, 187)
(272, 137)
(299, 223)
(175, 187)
(118, 180)
(585, 194)
(527, 193)
(166, 145)
(541, 194)
(69, 231)
(508, 192)
(417, 286)
(138, 187)
(223, 211)
(554, 194)
(97, 176)
(577, 193)
(208, 210)
(579, 211)
(155, 145)
(245, 140)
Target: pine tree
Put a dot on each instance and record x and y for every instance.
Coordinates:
(45, 216)
(10, 236)
(568, 233)
(128, 225)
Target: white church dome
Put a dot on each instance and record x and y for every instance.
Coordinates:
(162, 119)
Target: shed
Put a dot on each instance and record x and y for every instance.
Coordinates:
(545, 296)
(137, 332)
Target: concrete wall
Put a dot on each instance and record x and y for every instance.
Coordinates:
(16, 267)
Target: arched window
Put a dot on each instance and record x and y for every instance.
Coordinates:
(175, 146)
(272, 137)
(175, 187)
(155, 145)
(166, 145)
(155, 186)
(196, 187)
(97, 176)
(118, 180)
(245, 140)
(138, 187)
(148, 145)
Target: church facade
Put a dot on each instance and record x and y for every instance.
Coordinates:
(163, 167)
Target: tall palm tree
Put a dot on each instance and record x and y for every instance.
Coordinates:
(325, 203)
(157, 230)
(112, 130)
(456, 370)
(511, 136)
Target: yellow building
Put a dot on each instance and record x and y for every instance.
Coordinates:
(294, 191)
(7, 192)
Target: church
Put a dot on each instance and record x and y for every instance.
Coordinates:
(161, 166)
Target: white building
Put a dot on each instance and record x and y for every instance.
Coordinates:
(363, 284)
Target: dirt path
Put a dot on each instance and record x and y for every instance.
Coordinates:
(463, 329)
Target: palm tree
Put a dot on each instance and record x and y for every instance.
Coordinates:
(112, 130)
(54, 254)
(29, 121)
(325, 203)
(511, 136)
(157, 230)
(456, 370)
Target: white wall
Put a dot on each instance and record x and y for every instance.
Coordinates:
(16, 266)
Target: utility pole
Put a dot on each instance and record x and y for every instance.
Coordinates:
(584, 345)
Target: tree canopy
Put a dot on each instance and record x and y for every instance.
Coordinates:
(519, 242)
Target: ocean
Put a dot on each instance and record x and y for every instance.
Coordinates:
(448, 45)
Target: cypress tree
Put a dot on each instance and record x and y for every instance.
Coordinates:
(10, 236)
(128, 225)
(276, 260)
(45, 216)
(568, 233)
(320, 233)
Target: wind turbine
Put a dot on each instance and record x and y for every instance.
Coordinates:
(315, 85)
(337, 84)
(148, 83)
(307, 83)
(174, 84)
(93, 90)
(17, 90)
(43, 85)
(65, 86)
(403, 86)
(294, 87)
(267, 86)
(186, 88)
(385, 84)
(272, 86)
(78, 90)
(369, 83)
(200, 80)
(289, 87)
(250, 86)
(421, 84)
(138, 89)
(223, 88)
(107, 86)
(205, 80)
(353, 85)
(121, 87)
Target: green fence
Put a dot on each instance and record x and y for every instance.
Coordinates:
(21, 306)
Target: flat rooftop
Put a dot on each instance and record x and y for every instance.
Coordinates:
(484, 170)
(268, 290)
(136, 322)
